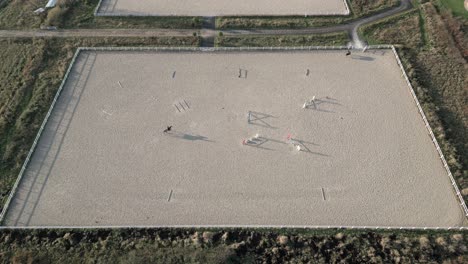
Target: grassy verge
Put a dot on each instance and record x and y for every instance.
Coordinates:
(336, 39)
(405, 29)
(80, 14)
(456, 6)
(359, 8)
(19, 14)
(437, 68)
(31, 72)
(230, 246)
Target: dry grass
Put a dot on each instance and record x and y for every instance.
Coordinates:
(366, 7)
(337, 39)
(359, 8)
(18, 14)
(230, 246)
(402, 31)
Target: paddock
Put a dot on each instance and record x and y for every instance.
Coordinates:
(258, 138)
(222, 8)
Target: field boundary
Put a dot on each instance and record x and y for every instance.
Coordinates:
(238, 226)
(431, 133)
(36, 140)
(97, 13)
(231, 49)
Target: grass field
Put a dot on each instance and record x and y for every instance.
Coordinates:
(337, 39)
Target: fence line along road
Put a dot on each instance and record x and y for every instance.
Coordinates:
(231, 49)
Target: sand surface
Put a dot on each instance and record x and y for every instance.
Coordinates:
(367, 158)
(222, 8)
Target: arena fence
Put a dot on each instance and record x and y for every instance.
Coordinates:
(213, 227)
(233, 49)
(113, 14)
(434, 140)
(36, 140)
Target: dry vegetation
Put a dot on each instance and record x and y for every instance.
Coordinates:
(18, 14)
(365, 7)
(31, 73)
(434, 52)
(336, 39)
(230, 246)
(359, 8)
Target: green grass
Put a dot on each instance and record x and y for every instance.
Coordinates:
(336, 39)
(31, 72)
(456, 6)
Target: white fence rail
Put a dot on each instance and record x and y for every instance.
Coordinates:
(96, 11)
(434, 140)
(461, 228)
(231, 49)
(348, 10)
(36, 140)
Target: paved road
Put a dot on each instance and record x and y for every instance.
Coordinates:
(208, 32)
(351, 27)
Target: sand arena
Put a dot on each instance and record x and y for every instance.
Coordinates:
(223, 8)
(366, 158)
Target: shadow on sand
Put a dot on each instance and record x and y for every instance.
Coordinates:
(364, 58)
(316, 104)
(258, 119)
(186, 136)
